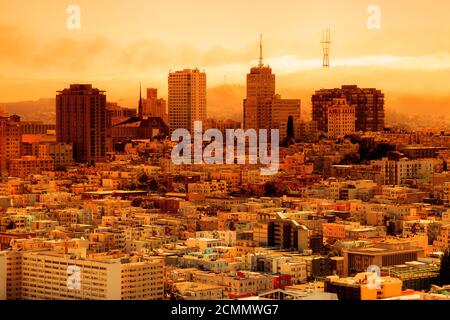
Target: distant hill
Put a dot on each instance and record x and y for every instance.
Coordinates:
(38, 110)
(226, 102)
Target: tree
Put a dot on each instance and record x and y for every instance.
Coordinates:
(433, 232)
(131, 186)
(391, 228)
(270, 189)
(380, 151)
(162, 189)
(444, 272)
(10, 225)
(171, 292)
(335, 249)
(153, 184)
(290, 130)
(143, 178)
(352, 158)
(136, 202)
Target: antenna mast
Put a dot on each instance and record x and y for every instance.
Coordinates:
(326, 41)
(261, 64)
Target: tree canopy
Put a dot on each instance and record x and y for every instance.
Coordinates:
(444, 272)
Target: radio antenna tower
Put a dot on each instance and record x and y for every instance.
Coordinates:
(326, 41)
(261, 63)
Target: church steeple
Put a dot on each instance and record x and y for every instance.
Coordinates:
(140, 111)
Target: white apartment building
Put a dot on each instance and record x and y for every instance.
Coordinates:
(341, 119)
(396, 172)
(187, 99)
(3, 283)
(48, 275)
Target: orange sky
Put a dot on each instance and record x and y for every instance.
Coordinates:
(123, 42)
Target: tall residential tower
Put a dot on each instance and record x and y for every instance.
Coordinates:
(10, 141)
(81, 121)
(187, 99)
(368, 102)
(263, 109)
(260, 93)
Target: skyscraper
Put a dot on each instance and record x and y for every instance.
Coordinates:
(263, 109)
(260, 93)
(368, 102)
(81, 121)
(10, 140)
(187, 99)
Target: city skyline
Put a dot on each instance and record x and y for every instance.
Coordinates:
(43, 53)
(180, 158)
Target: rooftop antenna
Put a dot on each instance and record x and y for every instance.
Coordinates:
(261, 64)
(326, 41)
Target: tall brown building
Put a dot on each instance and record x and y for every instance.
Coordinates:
(260, 94)
(10, 141)
(282, 109)
(81, 121)
(154, 107)
(263, 109)
(368, 102)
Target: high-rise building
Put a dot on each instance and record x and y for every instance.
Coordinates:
(104, 278)
(341, 118)
(368, 102)
(154, 107)
(10, 141)
(260, 94)
(263, 109)
(187, 99)
(81, 121)
(282, 109)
